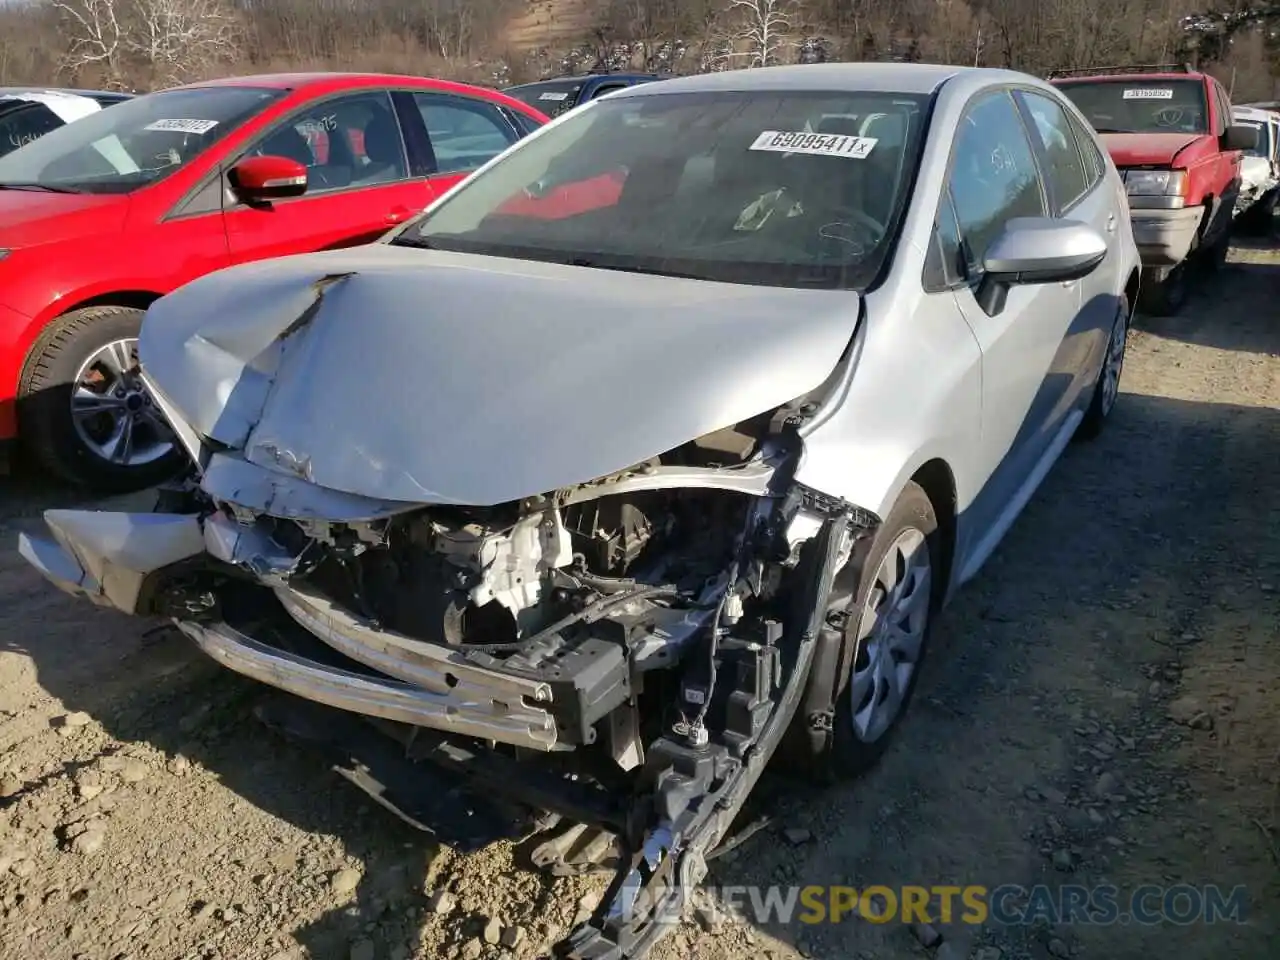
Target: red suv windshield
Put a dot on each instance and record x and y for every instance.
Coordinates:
(1138, 105)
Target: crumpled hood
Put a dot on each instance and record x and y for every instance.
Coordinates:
(423, 376)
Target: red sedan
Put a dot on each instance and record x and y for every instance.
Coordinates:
(105, 215)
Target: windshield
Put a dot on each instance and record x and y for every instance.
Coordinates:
(134, 143)
(784, 189)
(22, 122)
(552, 97)
(1141, 106)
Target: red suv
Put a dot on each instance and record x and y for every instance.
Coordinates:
(1169, 132)
(103, 216)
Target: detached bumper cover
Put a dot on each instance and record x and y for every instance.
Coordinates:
(1164, 237)
(109, 558)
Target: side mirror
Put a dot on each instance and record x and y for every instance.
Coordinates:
(1037, 250)
(1240, 137)
(263, 179)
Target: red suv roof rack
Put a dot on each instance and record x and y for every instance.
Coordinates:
(1135, 68)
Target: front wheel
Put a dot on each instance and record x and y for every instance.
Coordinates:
(880, 610)
(1164, 290)
(85, 413)
(1107, 389)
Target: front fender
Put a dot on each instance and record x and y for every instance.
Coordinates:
(913, 394)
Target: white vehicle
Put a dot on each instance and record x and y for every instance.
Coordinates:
(1260, 167)
(27, 114)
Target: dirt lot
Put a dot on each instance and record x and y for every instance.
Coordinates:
(1101, 706)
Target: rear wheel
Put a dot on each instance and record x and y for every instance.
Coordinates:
(1215, 255)
(85, 414)
(879, 616)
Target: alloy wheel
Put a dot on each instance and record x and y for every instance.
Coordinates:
(890, 631)
(112, 411)
(1114, 364)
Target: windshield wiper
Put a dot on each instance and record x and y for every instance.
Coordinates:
(1110, 130)
(18, 185)
(407, 241)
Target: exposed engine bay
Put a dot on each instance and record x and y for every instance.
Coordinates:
(621, 657)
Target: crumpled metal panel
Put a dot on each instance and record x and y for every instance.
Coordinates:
(114, 552)
(421, 376)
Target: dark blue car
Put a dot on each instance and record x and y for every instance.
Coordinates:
(555, 96)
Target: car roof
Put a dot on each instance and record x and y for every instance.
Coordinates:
(921, 78)
(319, 83)
(584, 77)
(65, 92)
(1255, 113)
(336, 80)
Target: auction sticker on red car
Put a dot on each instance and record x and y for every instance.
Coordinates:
(182, 126)
(1148, 93)
(818, 144)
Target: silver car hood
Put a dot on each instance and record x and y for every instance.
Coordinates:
(422, 376)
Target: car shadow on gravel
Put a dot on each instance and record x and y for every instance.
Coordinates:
(148, 685)
(1040, 748)
(1235, 287)
(1129, 543)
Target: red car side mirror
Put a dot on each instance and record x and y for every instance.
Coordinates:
(262, 179)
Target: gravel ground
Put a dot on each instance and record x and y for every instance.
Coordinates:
(1100, 706)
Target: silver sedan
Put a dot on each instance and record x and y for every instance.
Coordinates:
(651, 450)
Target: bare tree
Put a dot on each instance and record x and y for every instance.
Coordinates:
(766, 27)
(95, 38)
(181, 39)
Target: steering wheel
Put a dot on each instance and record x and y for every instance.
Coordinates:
(855, 228)
(854, 233)
(1168, 116)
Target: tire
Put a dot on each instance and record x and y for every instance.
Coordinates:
(1106, 391)
(52, 434)
(844, 752)
(1164, 295)
(1215, 256)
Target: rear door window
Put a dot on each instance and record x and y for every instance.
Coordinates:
(604, 88)
(465, 133)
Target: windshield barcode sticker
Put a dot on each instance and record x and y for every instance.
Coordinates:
(1148, 93)
(552, 95)
(182, 126)
(818, 144)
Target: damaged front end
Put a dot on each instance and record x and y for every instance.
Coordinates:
(623, 655)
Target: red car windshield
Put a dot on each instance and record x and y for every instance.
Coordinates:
(134, 143)
(777, 188)
(1137, 105)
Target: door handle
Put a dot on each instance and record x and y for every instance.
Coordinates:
(398, 215)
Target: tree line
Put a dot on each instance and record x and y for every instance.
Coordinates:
(146, 44)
